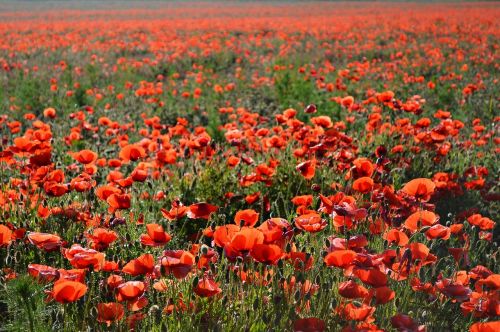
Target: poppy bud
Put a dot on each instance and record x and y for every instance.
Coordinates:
(316, 187)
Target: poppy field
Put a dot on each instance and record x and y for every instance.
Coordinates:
(249, 166)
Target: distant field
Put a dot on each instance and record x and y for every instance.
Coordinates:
(249, 166)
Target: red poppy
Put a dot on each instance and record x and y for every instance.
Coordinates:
(132, 152)
(352, 290)
(5, 236)
(43, 273)
(109, 312)
(249, 217)
(177, 262)
(155, 237)
(207, 287)
(141, 265)
(81, 258)
(307, 169)
(85, 156)
(268, 254)
(371, 276)
(340, 258)
(363, 185)
(102, 238)
(310, 324)
(45, 241)
(420, 219)
(119, 201)
(130, 290)
(493, 326)
(404, 323)
(420, 188)
(311, 222)
(66, 291)
(201, 210)
(397, 237)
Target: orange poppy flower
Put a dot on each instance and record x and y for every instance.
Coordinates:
(43, 273)
(155, 237)
(103, 192)
(242, 242)
(101, 238)
(130, 290)
(404, 323)
(85, 156)
(340, 258)
(268, 254)
(249, 217)
(307, 169)
(483, 223)
(438, 232)
(141, 265)
(201, 210)
(223, 234)
(119, 201)
(132, 152)
(177, 262)
(66, 291)
(301, 261)
(311, 222)
(275, 230)
(311, 324)
(207, 287)
(420, 188)
(363, 185)
(493, 326)
(45, 241)
(420, 219)
(371, 276)
(81, 258)
(352, 290)
(360, 313)
(5, 236)
(109, 312)
(304, 200)
(397, 237)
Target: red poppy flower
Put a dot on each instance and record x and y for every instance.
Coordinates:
(249, 217)
(420, 188)
(307, 169)
(155, 237)
(397, 237)
(5, 236)
(311, 222)
(66, 291)
(141, 265)
(485, 327)
(404, 323)
(201, 210)
(177, 262)
(420, 219)
(119, 201)
(109, 312)
(43, 273)
(85, 156)
(81, 258)
(130, 290)
(45, 241)
(363, 185)
(310, 324)
(132, 152)
(340, 258)
(352, 290)
(207, 287)
(268, 254)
